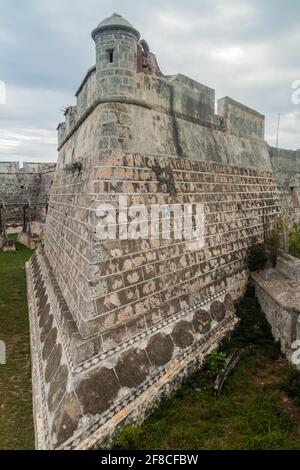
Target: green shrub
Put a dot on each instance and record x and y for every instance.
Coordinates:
(74, 167)
(273, 244)
(294, 243)
(257, 258)
(128, 437)
(291, 385)
(215, 363)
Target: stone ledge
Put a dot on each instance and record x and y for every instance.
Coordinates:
(27, 240)
(283, 290)
(7, 245)
(289, 266)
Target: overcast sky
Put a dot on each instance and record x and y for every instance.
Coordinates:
(248, 50)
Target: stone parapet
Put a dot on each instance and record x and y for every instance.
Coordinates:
(18, 186)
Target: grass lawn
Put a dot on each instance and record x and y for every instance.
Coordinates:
(16, 425)
(252, 413)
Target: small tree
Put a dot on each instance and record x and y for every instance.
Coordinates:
(294, 243)
(215, 363)
(74, 167)
(257, 257)
(273, 245)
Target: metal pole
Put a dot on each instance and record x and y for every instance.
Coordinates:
(29, 219)
(24, 219)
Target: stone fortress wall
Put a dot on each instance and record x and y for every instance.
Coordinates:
(286, 169)
(116, 324)
(121, 109)
(18, 185)
(174, 115)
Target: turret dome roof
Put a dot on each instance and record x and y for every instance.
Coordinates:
(115, 21)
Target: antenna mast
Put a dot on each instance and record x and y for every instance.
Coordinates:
(278, 124)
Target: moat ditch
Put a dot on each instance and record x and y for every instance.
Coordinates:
(254, 411)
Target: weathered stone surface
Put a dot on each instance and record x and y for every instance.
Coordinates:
(288, 265)
(49, 343)
(98, 390)
(57, 387)
(286, 170)
(160, 349)
(228, 303)
(41, 291)
(18, 185)
(7, 245)
(27, 240)
(202, 321)
(279, 298)
(53, 362)
(66, 419)
(182, 334)
(46, 323)
(43, 314)
(217, 310)
(132, 368)
(42, 301)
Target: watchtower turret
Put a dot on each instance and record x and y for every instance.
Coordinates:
(116, 56)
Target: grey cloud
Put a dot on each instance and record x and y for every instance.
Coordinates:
(244, 49)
